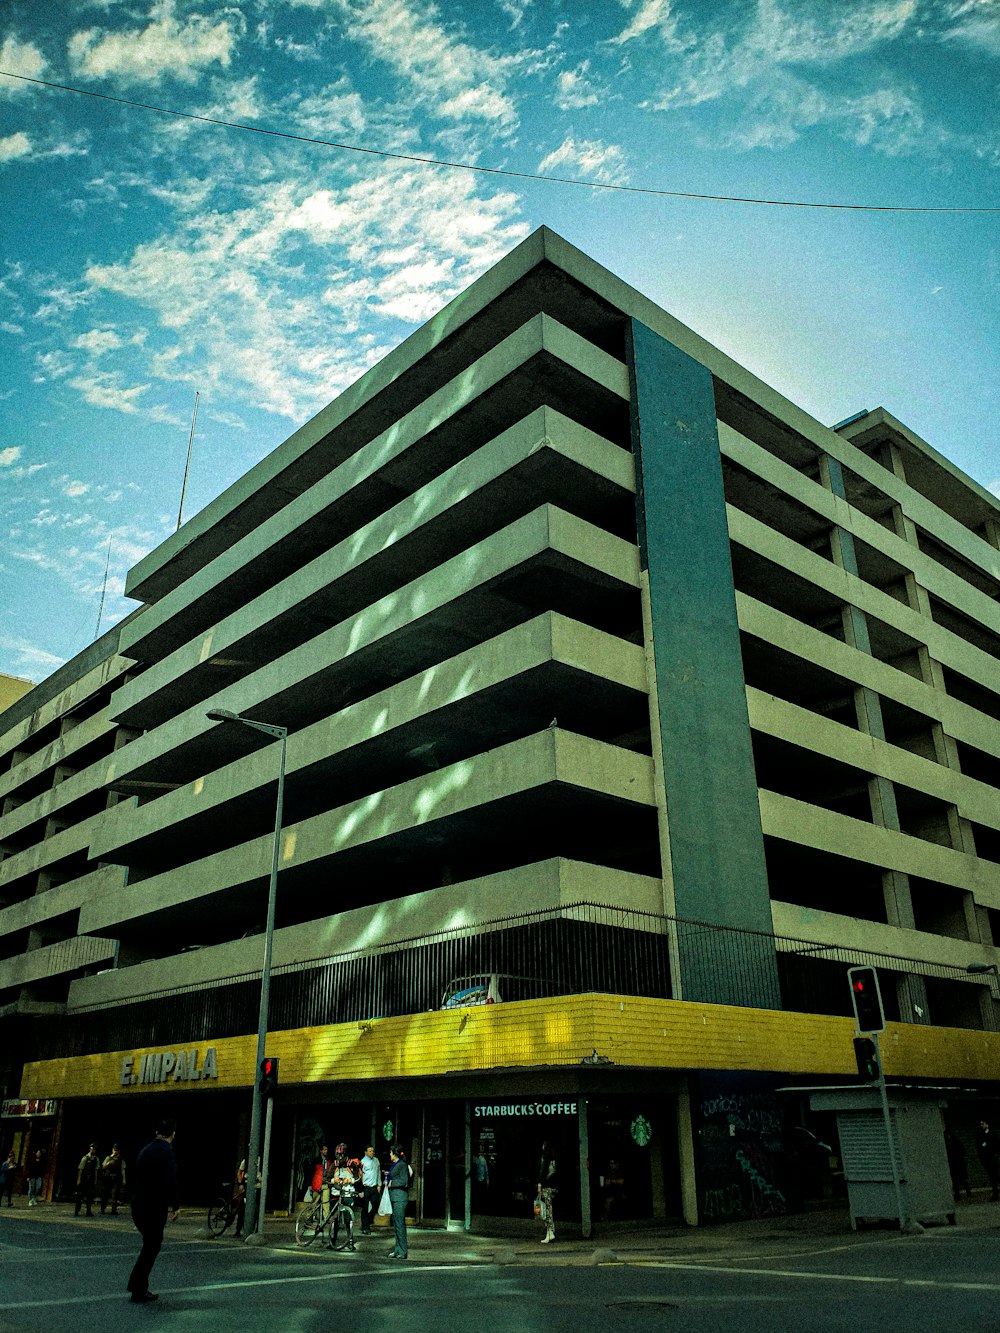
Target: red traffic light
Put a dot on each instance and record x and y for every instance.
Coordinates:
(866, 999)
(268, 1081)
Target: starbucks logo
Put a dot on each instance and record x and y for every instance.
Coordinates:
(642, 1131)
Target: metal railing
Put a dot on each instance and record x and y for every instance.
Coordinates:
(575, 949)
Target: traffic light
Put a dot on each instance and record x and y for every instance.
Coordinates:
(268, 1076)
(864, 1053)
(867, 999)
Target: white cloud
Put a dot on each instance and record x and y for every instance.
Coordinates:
(14, 146)
(713, 63)
(885, 120)
(29, 656)
(768, 67)
(21, 472)
(974, 23)
(105, 389)
(97, 341)
(650, 14)
(59, 302)
(233, 292)
(515, 11)
(22, 58)
(166, 47)
(54, 365)
(447, 75)
(74, 489)
(587, 159)
(10, 455)
(333, 112)
(575, 89)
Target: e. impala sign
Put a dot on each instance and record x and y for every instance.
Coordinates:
(166, 1066)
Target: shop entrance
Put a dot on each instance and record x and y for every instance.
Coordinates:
(634, 1160)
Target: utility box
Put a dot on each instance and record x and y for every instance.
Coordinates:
(921, 1157)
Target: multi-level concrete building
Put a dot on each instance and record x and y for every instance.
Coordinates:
(617, 687)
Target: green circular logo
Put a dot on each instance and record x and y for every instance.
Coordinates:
(642, 1131)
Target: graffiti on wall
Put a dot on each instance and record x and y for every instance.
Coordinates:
(741, 1153)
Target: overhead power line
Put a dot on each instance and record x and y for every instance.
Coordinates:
(493, 171)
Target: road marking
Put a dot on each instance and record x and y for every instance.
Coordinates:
(272, 1280)
(821, 1277)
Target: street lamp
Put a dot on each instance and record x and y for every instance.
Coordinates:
(252, 1222)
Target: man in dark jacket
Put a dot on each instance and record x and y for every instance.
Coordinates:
(399, 1193)
(154, 1178)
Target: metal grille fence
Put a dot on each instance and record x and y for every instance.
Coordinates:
(576, 949)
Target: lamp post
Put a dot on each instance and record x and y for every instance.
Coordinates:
(251, 1221)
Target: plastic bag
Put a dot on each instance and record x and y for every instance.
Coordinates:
(309, 1195)
(540, 1208)
(385, 1207)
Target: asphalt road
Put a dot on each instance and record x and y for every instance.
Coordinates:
(61, 1275)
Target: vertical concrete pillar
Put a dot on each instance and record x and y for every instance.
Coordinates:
(710, 821)
(896, 892)
(586, 1222)
(686, 1156)
(467, 1225)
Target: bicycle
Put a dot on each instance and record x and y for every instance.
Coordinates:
(342, 1226)
(314, 1219)
(224, 1212)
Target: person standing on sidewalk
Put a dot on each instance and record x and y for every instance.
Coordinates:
(8, 1177)
(989, 1155)
(155, 1179)
(547, 1187)
(36, 1174)
(112, 1180)
(399, 1194)
(371, 1185)
(86, 1181)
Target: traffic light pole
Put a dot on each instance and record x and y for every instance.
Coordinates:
(869, 1019)
(904, 1222)
(267, 1155)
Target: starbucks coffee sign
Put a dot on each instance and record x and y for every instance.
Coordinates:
(168, 1067)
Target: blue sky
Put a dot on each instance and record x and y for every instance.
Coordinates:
(145, 257)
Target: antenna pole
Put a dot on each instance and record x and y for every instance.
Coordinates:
(104, 591)
(187, 465)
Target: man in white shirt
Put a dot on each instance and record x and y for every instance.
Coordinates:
(371, 1181)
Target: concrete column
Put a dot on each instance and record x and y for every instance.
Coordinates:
(468, 1167)
(585, 1215)
(710, 809)
(896, 893)
(686, 1156)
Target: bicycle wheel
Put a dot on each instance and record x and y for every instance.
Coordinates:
(342, 1231)
(310, 1223)
(220, 1215)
